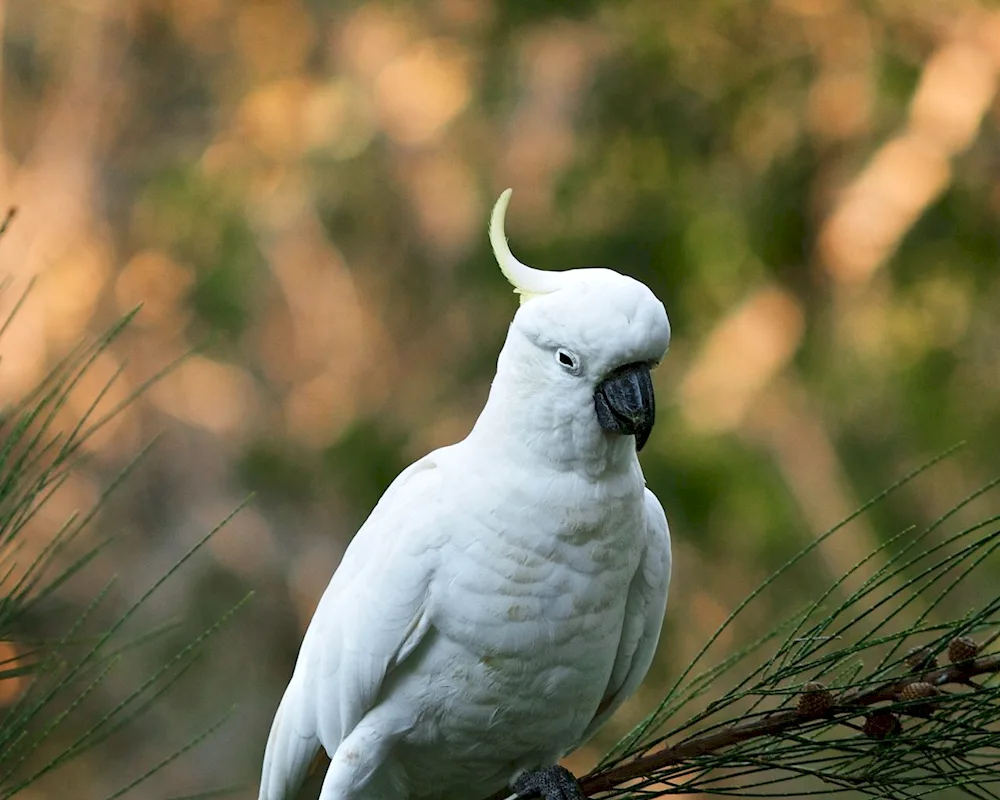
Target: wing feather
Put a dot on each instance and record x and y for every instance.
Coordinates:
(371, 617)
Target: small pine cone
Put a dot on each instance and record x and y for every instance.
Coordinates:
(921, 659)
(815, 700)
(961, 649)
(881, 724)
(919, 690)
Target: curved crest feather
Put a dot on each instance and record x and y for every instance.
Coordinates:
(527, 281)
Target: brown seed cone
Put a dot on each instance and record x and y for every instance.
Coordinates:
(962, 648)
(919, 690)
(921, 659)
(815, 700)
(881, 724)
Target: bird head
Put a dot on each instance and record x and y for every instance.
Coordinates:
(580, 348)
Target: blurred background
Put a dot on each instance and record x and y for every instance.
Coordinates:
(300, 190)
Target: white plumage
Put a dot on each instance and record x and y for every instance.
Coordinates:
(507, 592)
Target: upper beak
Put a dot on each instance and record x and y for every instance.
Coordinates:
(625, 404)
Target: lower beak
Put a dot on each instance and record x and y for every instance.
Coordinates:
(625, 403)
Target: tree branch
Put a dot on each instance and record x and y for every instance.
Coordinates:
(846, 705)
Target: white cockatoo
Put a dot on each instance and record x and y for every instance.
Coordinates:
(507, 592)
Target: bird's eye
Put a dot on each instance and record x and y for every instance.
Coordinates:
(568, 361)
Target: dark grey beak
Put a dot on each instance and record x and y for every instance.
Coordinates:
(625, 404)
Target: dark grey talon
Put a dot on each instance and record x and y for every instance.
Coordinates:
(549, 783)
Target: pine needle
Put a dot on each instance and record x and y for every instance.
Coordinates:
(65, 674)
(882, 727)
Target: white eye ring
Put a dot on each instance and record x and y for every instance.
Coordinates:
(568, 360)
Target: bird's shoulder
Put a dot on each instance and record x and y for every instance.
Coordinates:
(408, 512)
(394, 552)
(377, 594)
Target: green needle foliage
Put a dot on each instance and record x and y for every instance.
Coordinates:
(846, 694)
(54, 719)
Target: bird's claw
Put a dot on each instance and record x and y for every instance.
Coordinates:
(549, 783)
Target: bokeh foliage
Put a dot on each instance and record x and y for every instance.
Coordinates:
(300, 189)
(65, 679)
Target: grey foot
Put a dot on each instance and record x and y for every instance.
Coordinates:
(549, 783)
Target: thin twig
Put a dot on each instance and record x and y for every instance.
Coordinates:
(846, 705)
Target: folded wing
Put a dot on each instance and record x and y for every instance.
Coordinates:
(370, 618)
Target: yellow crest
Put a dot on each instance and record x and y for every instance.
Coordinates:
(527, 281)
